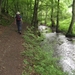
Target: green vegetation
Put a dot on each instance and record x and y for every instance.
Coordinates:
(64, 25)
(53, 13)
(48, 12)
(39, 60)
(6, 20)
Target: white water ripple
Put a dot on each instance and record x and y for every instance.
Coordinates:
(65, 49)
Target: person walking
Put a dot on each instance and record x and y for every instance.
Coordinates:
(19, 22)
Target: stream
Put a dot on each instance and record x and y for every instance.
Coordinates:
(63, 47)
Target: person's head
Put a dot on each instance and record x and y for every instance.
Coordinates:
(18, 13)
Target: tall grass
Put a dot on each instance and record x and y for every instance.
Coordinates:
(38, 61)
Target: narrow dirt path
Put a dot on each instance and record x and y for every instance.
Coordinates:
(11, 61)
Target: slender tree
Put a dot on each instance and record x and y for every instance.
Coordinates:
(34, 19)
(7, 10)
(52, 12)
(57, 26)
(0, 6)
(46, 15)
(69, 32)
(4, 8)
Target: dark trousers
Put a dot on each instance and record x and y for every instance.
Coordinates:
(19, 26)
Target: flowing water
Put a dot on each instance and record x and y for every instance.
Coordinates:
(67, 52)
(64, 48)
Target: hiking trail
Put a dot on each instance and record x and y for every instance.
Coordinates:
(11, 46)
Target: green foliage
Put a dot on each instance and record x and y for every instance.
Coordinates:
(5, 20)
(64, 25)
(26, 7)
(39, 60)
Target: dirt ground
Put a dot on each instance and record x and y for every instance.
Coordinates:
(11, 46)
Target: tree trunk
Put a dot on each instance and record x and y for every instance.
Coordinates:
(52, 20)
(0, 10)
(0, 6)
(17, 5)
(46, 15)
(57, 26)
(7, 8)
(69, 32)
(27, 10)
(34, 19)
(30, 8)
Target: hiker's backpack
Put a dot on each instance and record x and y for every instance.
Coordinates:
(18, 17)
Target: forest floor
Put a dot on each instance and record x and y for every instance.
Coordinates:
(11, 46)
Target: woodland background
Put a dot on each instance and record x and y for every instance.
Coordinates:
(54, 13)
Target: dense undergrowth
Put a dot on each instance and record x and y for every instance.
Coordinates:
(36, 60)
(5, 19)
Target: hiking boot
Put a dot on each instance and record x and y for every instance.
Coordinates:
(20, 32)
